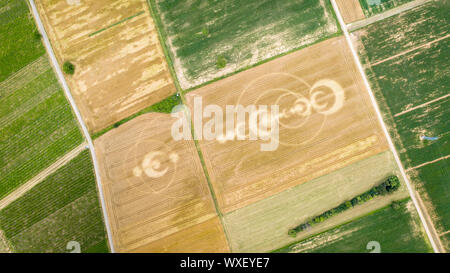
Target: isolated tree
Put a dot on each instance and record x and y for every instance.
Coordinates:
(69, 68)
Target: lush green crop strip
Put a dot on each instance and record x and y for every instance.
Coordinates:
(115, 24)
(395, 228)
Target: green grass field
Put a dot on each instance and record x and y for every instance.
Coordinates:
(406, 30)
(432, 181)
(36, 122)
(396, 230)
(263, 226)
(210, 39)
(412, 90)
(372, 9)
(62, 208)
(19, 45)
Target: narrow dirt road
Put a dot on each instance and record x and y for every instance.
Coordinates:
(384, 15)
(75, 109)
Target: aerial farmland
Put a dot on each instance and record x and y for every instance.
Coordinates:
(207, 126)
(416, 104)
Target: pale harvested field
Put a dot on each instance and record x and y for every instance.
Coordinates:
(154, 186)
(263, 226)
(4, 247)
(120, 66)
(311, 144)
(207, 237)
(351, 10)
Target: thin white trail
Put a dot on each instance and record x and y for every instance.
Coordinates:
(386, 133)
(428, 163)
(75, 109)
(421, 106)
(410, 50)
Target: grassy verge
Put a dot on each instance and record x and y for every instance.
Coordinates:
(164, 106)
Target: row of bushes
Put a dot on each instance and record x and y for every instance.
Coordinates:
(390, 185)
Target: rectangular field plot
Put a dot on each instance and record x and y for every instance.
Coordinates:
(120, 67)
(406, 57)
(351, 10)
(372, 7)
(326, 122)
(36, 123)
(154, 186)
(432, 182)
(210, 39)
(405, 31)
(62, 208)
(263, 226)
(206, 237)
(17, 28)
(420, 76)
(394, 231)
(430, 121)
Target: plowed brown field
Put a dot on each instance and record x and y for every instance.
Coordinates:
(120, 66)
(326, 123)
(154, 186)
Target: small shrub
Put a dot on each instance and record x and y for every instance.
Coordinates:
(221, 62)
(69, 68)
(205, 32)
(37, 35)
(396, 205)
(292, 233)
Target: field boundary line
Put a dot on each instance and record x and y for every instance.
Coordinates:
(428, 163)
(410, 50)
(431, 236)
(407, 6)
(11, 197)
(75, 109)
(421, 106)
(116, 23)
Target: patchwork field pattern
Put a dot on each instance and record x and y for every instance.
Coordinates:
(396, 230)
(154, 187)
(120, 65)
(62, 208)
(370, 7)
(351, 10)
(406, 58)
(36, 123)
(198, 33)
(326, 123)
